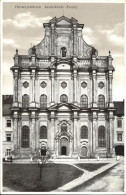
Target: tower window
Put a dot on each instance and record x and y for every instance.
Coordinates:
(25, 101)
(63, 98)
(101, 137)
(84, 101)
(101, 101)
(43, 101)
(43, 132)
(25, 137)
(84, 132)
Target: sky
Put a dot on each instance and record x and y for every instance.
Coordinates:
(103, 29)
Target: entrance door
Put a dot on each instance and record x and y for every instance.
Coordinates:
(63, 150)
(64, 146)
(43, 152)
(84, 151)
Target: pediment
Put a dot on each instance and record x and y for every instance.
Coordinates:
(63, 20)
(63, 106)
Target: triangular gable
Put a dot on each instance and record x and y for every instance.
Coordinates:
(63, 20)
(64, 106)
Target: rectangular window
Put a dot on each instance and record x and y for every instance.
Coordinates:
(8, 152)
(8, 123)
(8, 137)
(119, 123)
(119, 136)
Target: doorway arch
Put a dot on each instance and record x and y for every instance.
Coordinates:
(64, 146)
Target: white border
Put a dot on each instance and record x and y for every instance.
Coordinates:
(1, 151)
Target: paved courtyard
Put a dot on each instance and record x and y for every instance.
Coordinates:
(111, 181)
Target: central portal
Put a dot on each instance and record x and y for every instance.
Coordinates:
(63, 150)
(64, 146)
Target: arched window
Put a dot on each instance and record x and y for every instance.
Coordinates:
(25, 137)
(83, 101)
(25, 101)
(63, 51)
(43, 101)
(63, 98)
(43, 132)
(64, 128)
(101, 137)
(84, 132)
(101, 101)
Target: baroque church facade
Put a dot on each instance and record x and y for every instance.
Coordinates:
(62, 97)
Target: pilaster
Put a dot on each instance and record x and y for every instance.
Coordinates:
(94, 81)
(52, 76)
(52, 131)
(33, 131)
(76, 134)
(15, 131)
(94, 129)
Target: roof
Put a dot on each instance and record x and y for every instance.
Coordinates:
(7, 103)
(119, 108)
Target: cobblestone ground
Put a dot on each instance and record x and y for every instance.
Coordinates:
(112, 181)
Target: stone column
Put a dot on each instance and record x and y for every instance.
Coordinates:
(19, 132)
(33, 131)
(15, 89)
(52, 39)
(52, 131)
(110, 86)
(76, 132)
(90, 134)
(110, 77)
(57, 147)
(32, 104)
(107, 94)
(71, 150)
(75, 86)
(52, 86)
(94, 80)
(37, 134)
(94, 129)
(75, 39)
(111, 132)
(15, 131)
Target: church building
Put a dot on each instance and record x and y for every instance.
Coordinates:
(62, 98)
